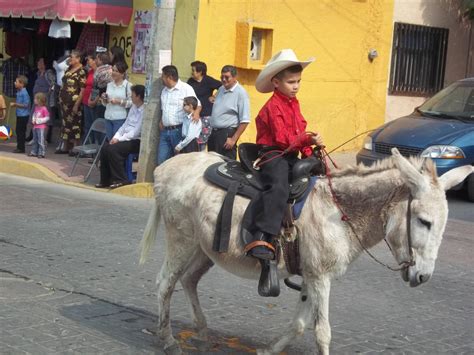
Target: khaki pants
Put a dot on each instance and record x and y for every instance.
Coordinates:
(10, 116)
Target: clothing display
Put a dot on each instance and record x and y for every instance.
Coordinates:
(91, 36)
(59, 29)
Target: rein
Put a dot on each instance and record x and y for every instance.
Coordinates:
(346, 218)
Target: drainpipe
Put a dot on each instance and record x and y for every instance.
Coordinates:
(468, 59)
(161, 39)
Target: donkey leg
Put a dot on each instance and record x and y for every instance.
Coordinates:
(303, 315)
(319, 290)
(176, 262)
(198, 267)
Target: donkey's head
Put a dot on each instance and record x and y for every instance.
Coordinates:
(415, 227)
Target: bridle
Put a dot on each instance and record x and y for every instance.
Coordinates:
(344, 217)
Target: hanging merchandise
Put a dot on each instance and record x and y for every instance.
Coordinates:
(91, 36)
(43, 27)
(17, 44)
(59, 29)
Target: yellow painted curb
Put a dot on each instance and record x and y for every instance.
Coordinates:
(140, 190)
(38, 171)
(28, 169)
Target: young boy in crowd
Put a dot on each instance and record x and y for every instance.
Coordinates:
(22, 105)
(279, 125)
(191, 129)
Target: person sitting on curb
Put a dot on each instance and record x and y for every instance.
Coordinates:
(126, 141)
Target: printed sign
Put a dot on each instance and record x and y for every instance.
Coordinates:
(141, 40)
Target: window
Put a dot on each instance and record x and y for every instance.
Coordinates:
(418, 59)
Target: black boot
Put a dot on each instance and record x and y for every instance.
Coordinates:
(262, 252)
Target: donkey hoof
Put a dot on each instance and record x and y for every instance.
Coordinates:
(173, 350)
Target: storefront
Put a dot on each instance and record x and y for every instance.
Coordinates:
(33, 29)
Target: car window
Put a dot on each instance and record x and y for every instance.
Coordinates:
(455, 99)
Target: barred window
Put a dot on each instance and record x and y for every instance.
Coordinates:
(418, 59)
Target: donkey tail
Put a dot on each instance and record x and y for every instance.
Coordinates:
(151, 229)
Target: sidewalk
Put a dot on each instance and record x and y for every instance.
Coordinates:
(57, 167)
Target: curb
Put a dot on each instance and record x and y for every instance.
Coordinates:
(39, 172)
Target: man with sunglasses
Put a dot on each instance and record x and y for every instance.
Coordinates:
(230, 114)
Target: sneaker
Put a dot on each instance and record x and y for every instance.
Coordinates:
(40, 156)
(32, 155)
(18, 151)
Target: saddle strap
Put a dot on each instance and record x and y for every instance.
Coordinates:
(224, 220)
(291, 254)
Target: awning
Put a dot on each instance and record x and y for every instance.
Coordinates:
(112, 12)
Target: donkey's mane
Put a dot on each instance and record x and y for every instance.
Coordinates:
(381, 165)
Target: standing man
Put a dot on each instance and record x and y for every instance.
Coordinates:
(172, 113)
(230, 114)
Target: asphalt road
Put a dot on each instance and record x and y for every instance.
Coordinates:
(70, 283)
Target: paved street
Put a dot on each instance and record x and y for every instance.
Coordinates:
(70, 283)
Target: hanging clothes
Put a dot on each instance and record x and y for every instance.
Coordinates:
(17, 44)
(59, 29)
(91, 36)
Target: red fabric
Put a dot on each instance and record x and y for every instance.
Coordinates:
(91, 37)
(17, 44)
(280, 123)
(43, 27)
(88, 88)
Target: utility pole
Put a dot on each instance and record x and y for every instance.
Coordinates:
(161, 40)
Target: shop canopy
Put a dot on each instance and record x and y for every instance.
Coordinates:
(112, 12)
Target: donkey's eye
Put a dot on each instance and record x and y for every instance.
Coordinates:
(424, 222)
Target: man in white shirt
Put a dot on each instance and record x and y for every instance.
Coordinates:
(126, 141)
(173, 115)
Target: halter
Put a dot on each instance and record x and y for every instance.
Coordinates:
(346, 218)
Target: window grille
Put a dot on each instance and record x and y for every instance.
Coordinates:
(418, 59)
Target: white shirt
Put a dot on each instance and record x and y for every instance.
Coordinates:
(172, 103)
(191, 130)
(121, 92)
(60, 68)
(132, 127)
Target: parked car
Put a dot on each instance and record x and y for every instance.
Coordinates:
(441, 129)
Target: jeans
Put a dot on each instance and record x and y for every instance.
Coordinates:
(39, 145)
(89, 118)
(112, 126)
(168, 140)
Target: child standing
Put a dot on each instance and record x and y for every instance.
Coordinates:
(22, 105)
(191, 129)
(39, 120)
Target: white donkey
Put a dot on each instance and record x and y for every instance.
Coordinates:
(375, 199)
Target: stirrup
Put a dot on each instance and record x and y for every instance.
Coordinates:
(260, 243)
(268, 284)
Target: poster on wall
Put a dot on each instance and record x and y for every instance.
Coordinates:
(141, 40)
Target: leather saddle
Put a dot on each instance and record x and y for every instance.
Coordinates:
(241, 178)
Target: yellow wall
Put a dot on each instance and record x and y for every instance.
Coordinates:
(343, 93)
(123, 37)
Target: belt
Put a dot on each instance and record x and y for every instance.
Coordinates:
(226, 128)
(170, 128)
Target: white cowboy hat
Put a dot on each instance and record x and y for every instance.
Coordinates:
(280, 61)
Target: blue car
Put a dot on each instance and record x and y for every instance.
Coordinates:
(441, 129)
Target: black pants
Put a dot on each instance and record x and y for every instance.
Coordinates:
(192, 146)
(112, 161)
(217, 140)
(269, 207)
(21, 123)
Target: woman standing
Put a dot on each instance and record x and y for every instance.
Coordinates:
(70, 98)
(117, 98)
(87, 104)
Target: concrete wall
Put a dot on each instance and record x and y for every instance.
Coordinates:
(459, 63)
(343, 93)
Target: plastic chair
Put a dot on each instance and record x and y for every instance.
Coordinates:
(89, 148)
(131, 175)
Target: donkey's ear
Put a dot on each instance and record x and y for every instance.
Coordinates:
(455, 176)
(415, 180)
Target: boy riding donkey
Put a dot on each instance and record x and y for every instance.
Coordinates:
(280, 127)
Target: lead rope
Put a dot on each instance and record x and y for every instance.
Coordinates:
(345, 218)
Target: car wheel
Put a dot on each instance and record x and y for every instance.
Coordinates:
(470, 187)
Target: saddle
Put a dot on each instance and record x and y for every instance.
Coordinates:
(241, 178)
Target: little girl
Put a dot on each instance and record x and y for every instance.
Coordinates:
(39, 120)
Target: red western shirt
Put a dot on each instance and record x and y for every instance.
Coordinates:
(280, 123)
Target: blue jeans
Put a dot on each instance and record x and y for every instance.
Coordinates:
(112, 126)
(39, 145)
(168, 140)
(89, 118)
